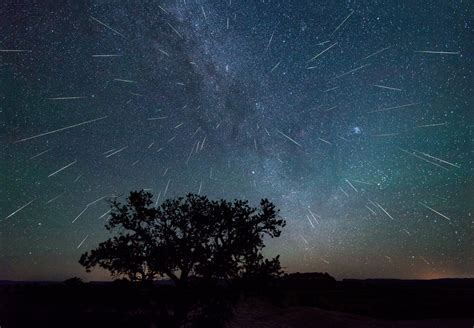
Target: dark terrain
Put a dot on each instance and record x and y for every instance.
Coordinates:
(300, 300)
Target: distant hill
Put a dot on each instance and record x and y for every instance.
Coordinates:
(310, 276)
(448, 282)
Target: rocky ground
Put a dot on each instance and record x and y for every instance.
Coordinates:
(255, 314)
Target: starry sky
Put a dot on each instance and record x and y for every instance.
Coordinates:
(353, 117)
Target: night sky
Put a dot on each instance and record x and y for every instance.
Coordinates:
(355, 118)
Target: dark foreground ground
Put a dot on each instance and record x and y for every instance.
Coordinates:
(293, 303)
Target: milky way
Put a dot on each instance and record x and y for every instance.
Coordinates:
(355, 119)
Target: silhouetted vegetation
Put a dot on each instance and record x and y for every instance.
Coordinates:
(209, 249)
(188, 237)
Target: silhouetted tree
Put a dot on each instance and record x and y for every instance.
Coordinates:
(187, 237)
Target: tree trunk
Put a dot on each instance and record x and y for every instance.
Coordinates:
(183, 279)
(173, 277)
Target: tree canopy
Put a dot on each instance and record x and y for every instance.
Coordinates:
(187, 237)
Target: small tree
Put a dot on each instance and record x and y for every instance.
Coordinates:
(186, 237)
